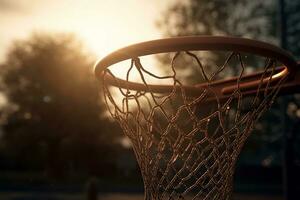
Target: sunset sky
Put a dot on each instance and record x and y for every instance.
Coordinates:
(103, 25)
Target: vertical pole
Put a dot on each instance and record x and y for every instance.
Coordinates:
(287, 151)
(287, 140)
(92, 189)
(282, 25)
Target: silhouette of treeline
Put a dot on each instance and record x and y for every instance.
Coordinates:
(54, 120)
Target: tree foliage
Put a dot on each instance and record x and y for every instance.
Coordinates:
(56, 119)
(251, 19)
(293, 26)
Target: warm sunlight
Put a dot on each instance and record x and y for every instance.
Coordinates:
(176, 126)
(103, 25)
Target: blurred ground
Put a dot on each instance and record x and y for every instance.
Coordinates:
(140, 197)
(117, 196)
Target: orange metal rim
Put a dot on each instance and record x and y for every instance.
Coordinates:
(195, 43)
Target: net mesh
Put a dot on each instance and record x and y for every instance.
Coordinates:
(187, 146)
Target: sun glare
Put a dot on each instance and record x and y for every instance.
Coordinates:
(110, 27)
(103, 26)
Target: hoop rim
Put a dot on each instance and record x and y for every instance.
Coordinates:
(194, 43)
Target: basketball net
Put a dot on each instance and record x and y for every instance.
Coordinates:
(187, 145)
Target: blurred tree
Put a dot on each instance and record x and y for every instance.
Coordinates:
(54, 118)
(293, 26)
(253, 19)
(242, 18)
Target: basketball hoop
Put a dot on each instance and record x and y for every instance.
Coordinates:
(187, 138)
